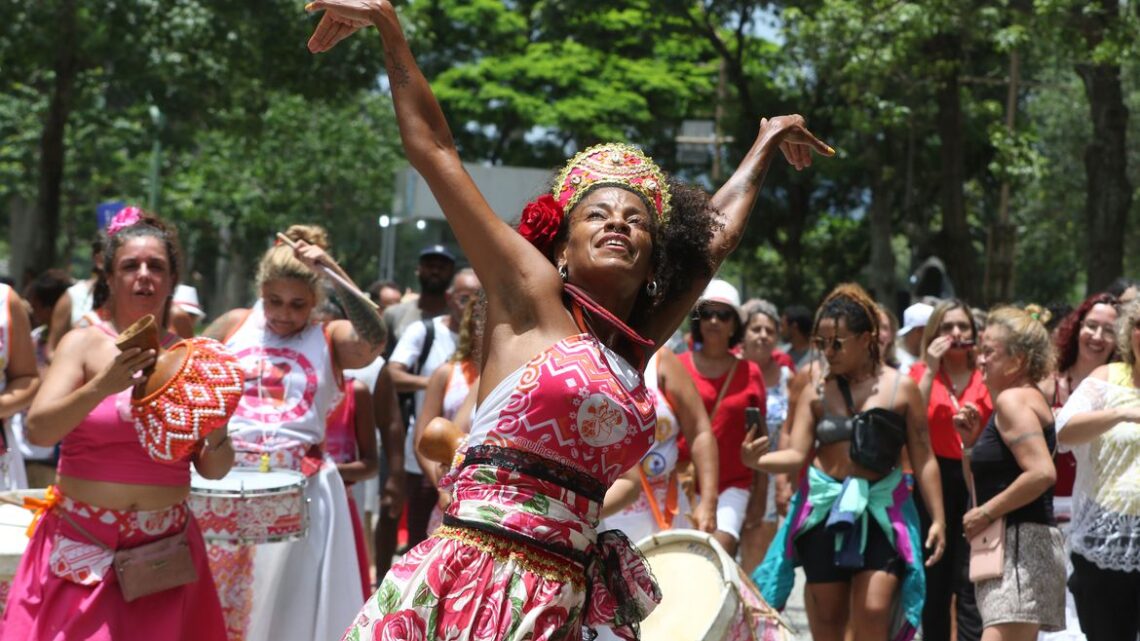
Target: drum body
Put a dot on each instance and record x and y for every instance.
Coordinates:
(250, 507)
(14, 522)
(705, 594)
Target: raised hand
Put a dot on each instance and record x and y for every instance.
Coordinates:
(795, 141)
(123, 372)
(342, 19)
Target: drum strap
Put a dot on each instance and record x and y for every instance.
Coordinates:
(664, 520)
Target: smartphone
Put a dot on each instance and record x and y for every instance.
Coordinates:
(754, 420)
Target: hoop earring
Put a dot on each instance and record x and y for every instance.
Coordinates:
(563, 273)
(651, 289)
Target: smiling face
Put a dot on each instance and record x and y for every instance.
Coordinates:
(287, 303)
(141, 280)
(1097, 338)
(610, 240)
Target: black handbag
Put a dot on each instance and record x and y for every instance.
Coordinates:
(877, 435)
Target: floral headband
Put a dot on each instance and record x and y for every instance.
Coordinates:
(607, 165)
(126, 217)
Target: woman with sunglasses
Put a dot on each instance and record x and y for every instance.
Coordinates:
(852, 524)
(954, 392)
(728, 385)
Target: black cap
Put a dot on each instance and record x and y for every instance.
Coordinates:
(437, 250)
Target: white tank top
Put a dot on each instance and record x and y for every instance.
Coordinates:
(661, 459)
(5, 333)
(82, 298)
(290, 384)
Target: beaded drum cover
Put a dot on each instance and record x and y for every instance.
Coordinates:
(198, 398)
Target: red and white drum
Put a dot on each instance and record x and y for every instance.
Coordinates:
(705, 594)
(249, 506)
(14, 522)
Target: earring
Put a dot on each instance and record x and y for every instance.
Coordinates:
(563, 273)
(651, 289)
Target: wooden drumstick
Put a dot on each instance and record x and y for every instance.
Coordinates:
(332, 274)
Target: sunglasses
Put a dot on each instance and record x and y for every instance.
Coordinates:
(708, 313)
(822, 344)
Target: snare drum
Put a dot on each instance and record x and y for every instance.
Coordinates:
(249, 506)
(705, 595)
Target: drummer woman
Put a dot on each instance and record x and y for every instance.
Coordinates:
(605, 268)
(852, 525)
(302, 589)
(111, 495)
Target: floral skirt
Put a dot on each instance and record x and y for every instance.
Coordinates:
(464, 585)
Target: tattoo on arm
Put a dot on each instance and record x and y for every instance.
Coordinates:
(363, 316)
(400, 74)
(1024, 437)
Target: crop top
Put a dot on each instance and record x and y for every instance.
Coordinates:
(995, 468)
(836, 428)
(105, 447)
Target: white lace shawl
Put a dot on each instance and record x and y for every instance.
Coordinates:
(1106, 494)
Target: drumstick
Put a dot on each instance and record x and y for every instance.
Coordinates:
(333, 275)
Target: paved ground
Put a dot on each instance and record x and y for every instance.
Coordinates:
(794, 612)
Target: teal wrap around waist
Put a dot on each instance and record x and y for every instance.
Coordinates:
(887, 502)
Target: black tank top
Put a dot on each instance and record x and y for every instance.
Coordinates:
(995, 469)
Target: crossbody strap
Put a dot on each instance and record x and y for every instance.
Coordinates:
(724, 387)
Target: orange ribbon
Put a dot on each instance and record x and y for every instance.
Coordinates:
(41, 506)
(664, 521)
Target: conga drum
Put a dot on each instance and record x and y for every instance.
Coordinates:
(705, 594)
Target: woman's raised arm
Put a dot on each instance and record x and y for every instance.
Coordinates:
(507, 263)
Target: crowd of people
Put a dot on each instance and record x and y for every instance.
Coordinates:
(971, 474)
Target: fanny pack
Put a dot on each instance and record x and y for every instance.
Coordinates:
(877, 435)
(149, 568)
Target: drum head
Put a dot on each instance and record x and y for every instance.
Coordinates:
(698, 601)
(247, 480)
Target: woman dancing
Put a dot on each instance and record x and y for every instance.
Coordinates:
(605, 268)
(111, 495)
(853, 525)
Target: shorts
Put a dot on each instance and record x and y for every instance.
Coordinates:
(815, 550)
(730, 508)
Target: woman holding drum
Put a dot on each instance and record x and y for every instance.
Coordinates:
(112, 497)
(852, 524)
(600, 273)
(300, 589)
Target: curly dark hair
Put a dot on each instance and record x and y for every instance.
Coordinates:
(1069, 331)
(852, 303)
(148, 225)
(681, 254)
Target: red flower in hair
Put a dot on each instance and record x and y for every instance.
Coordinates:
(541, 219)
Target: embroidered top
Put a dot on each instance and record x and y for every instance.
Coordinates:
(1105, 527)
(577, 403)
(105, 447)
(291, 385)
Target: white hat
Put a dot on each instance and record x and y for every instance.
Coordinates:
(915, 317)
(720, 291)
(186, 297)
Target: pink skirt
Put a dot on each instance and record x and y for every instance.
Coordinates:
(61, 597)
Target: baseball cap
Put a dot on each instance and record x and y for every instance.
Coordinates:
(915, 317)
(720, 291)
(437, 250)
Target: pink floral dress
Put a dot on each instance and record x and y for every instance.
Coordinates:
(518, 556)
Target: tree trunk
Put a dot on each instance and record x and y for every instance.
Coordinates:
(42, 250)
(954, 245)
(1109, 192)
(882, 275)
